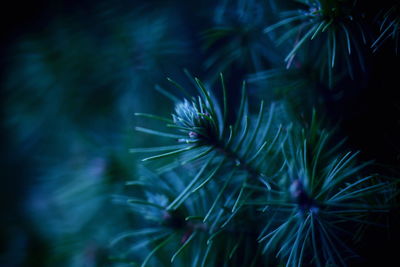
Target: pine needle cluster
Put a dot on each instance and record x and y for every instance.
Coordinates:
(266, 189)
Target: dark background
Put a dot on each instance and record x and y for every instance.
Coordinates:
(367, 113)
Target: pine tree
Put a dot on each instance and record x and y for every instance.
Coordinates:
(274, 188)
(282, 186)
(265, 134)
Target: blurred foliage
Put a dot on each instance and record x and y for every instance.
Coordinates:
(71, 89)
(74, 73)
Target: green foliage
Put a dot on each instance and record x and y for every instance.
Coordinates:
(235, 170)
(236, 39)
(330, 29)
(389, 27)
(323, 195)
(282, 186)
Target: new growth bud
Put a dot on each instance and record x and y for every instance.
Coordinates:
(300, 196)
(194, 119)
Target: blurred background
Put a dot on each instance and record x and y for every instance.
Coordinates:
(73, 73)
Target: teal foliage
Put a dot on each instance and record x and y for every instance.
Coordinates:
(284, 152)
(389, 28)
(288, 184)
(331, 29)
